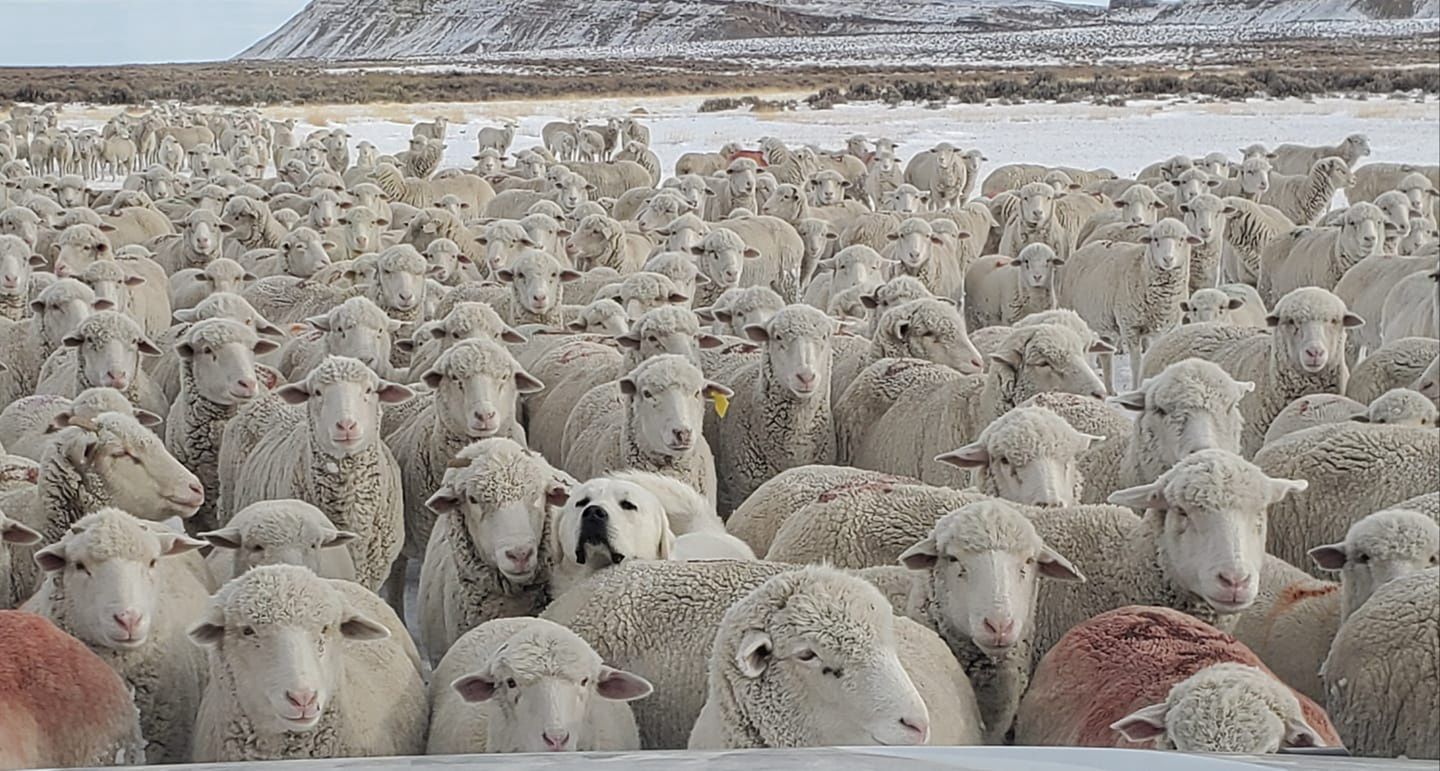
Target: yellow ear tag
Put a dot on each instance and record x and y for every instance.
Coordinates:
(722, 404)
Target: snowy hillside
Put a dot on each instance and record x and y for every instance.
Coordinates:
(420, 29)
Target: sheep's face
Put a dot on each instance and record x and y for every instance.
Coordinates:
(502, 246)
(984, 562)
(595, 235)
(1193, 183)
(570, 191)
(604, 319)
(281, 540)
(362, 230)
(505, 526)
(644, 294)
(854, 266)
(1357, 146)
(667, 414)
(1311, 339)
(684, 238)
(443, 260)
(109, 567)
(224, 371)
(15, 267)
(546, 232)
(1206, 217)
(241, 215)
(1172, 169)
(1423, 231)
(77, 249)
(817, 238)
(1215, 164)
(786, 203)
(530, 166)
(912, 244)
(824, 666)
(159, 188)
(721, 258)
(658, 334)
(478, 404)
(1428, 384)
(70, 195)
(797, 350)
(1037, 204)
(741, 178)
(288, 631)
(1396, 209)
(1212, 513)
(1047, 359)
(1255, 177)
(105, 359)
(1166, 249)
(304, 253)
(324, 210)
(136, 469)
(1037, 264)
(1139, 209)
(1027, 456)
(1378, 549)
(203, 233)
(543, 682)
(535, 284)
(487, 163)
(354, 337)
(400, 288)
(828, 188)
(694, 191)
(1225, 708)
(1183, 411)
(934, 331)
(222, 275)
(344, 410)
(1210, 305)
(62, 307)
(22, 223)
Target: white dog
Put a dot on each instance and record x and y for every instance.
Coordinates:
(605, 522)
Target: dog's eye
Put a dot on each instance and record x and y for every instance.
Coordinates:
(582, 503)
(626, 505)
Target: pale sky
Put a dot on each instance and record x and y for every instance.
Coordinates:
(90, 32)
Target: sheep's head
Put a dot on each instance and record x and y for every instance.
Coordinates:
(797, 350)
(289, 631)
(1420, 190)
(110, 346)
(503, 242)
(828, 188)
(246, 217)
(1037, 264)
(816, 636)
(983, 564)
(1206, 216)
(1139, 205)
(1334, 171)
(1400, 407)
(601, 317)
(278, 532)
(77, 247)
(109, 566)
(543, 678)
(1037, 203)
(535, 278)
(721, 256)
(502, 492)
(1192, 405)
(639, 293)
(477, 386)
(904, 199)
(1028, 455)
(786, 202)
(740, 176)
(1046, 358)
(221, 356)
(667, 330)
(1309, 326)
(203, 233)
(362, 229)
(1378, 549)
(1210, 305)
(343, 397)
(400, 278)
(1210, 512)
(912, 243)
(666, 396)
(929, 329)
(1167, 245)
(304, 252)
(357, 329)
(16, 263)
(1230, 708)
(127, 464)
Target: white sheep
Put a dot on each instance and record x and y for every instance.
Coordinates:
(979, 574)
(1400, 407)
(1304, 196)
(1411, 308)
(1297, 159)
(1378, 549)
(1028, 455)
(853, 266)
(1130, 294)
(57, 312)
(16, 263)
(1035, 221)
(926, 329)
(1310, 411)
(917, 250)
(29, 424)
(1237, 304)
(530, 685)
(104, 350)
(279, 532)
(328, 452)
(1000, 291)
(1320, 256)
(305, 667)
(111, 582)
(1364, 287)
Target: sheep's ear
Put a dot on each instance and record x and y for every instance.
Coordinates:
(1143, 725)
(567, 276)
(507, 335)
(1150, 496)
(751, 254)
(753, 654)
(1011, 359)
(505, 275)
(757, 333)
(1054, 565)
(224, 538)
(476, 688)
(393, 393)
(445, 500)
(184, 350)
(147, 348)
(1272, 321)
(627, 386)
(356, 626)
(51, 558)
(16, 533)
(1329, 557)
(921, 556)
(209, 630)
(1100, 346)
(619, 685)
(869, 301)
(629, 340)
(1352, 320)
(294, 393)
(1193, 240)
(1277, 489)
(712, 390)
(1133, 401)
(707, 340)
(1298, 733)
(1360, 418)
(527, 383)
(177, 543)
(1184, 306)
(103, 305)
(902, 330)
(432, 379)
(970, 456)
(72, 341)
(678, 297)
(263, 347)
(338, 538)
(1235, 304)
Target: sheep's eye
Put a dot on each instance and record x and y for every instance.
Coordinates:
(647, 394)
(257, 547)
(153, 562)
(1363, 559)
(584, 682)
(1004, 461)
(951, 558)
(80, 566)
(1180, 512)
(248, 631)
(806, 655)
(1161, 411)
(510, 682)
(627, 505)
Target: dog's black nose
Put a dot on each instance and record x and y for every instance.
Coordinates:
(594, 513)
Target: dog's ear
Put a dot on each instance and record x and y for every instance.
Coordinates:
(667, 541)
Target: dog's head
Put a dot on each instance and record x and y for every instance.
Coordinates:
(607, 521)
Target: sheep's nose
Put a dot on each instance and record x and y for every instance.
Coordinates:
(347, 426)
(1001, 628)
(247, 386)
(197, 489)
(683, 436)
(555, 740)
(520, 556)
(304, 698)
(1232, 580)
(116, 379)
(918, 727)
(129, 620)
(485, 417)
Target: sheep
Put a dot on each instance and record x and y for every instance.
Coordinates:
(474, 392)
(1139, 676)
(1378, 549)
(1310, 411)
(327, 452)
(201, 240)
(1303, 354)
(104, 460)
(110, 283)
(1364, 288)
(301, 253)
(1236, 304)
(325, 673)
(60, 704)
(217, 377)
(1379, 680)
(1035, 221)
(1346, 483)
(571, 701)
(412, 190)
(781, 416)
(16, 262)
(660, 428)
(1400, 407)
(776, 262)
(1373, 179)
(1028, 455)
(602, 241)
(1305, 196)
(535, 292)
(104, 350)
(1130, 294)
(762, 514)
(464, 321)
(738, 308)
(1320, 256)
(761, 692)
(356, 328)
(941, 173)
(279, 532)
(1000, 291)
(1137, 207)
(640, 293)
(680, 268)
(981, 612)
(1298, 159)
(914, 248)
(25, 346)
(1411, 308)
(253, 226)
(81, 245)
(938, 414)
(1249, 231)
(488, 555)
(853, 266)
(102, 585)
(30, 423)
(188, 287)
